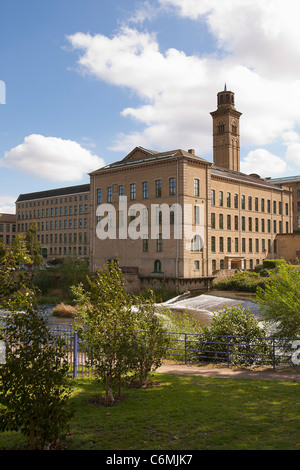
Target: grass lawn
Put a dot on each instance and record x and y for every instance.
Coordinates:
(185, 413)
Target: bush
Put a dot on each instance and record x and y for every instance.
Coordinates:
(238, 328)
(242, 281)
(34, 384)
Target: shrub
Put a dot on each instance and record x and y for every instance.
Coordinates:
(236, 328)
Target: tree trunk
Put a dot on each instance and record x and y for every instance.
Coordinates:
(31, 435)
(109, 398)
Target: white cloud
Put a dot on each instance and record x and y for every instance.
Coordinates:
(263, 163)
(7, 204)
(51, 158)
(264, 33)
(259, 43)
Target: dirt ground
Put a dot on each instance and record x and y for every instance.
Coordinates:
(283, 375)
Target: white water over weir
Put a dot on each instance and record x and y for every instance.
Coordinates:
(204, 306)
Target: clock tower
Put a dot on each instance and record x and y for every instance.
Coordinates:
(226, 132)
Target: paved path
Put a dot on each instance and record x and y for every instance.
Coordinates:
(208, 371)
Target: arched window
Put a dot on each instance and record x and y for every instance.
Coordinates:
(196, 243)
(157, 266)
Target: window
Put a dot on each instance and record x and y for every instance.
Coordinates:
(221, 198)
(256, 225)
(196, 265)
(256, 204)
(236, 222)
(228, 200)
(280, 207)
(145, 244)
(132, 191)
(121, 192)
(286, 209)
(250, 245)
(269, 206)
(250, 203)
(109, 194)
(159, 243)
(243, 224)
(263, 205)
(196, 187)
(228, 222)
(257, 245)
(221, 244)
(229, 245)
(250, 224)
(196, 243)
(214, 265)
(213, 197)
(157, 266)
(243, 245)
(236, 245)
(221, 221)
(196, 215)
(172, 186)
(213, 244)
(236, 201)
(243, 202)
(145, 190)
(263, 225)
(221, 128)
(274, 207)
(213, 220)
(158, 188)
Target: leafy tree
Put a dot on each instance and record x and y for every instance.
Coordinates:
(105, 313)
(110, 327)
(236, 327)
(280, 301)
(34, 388)
(33, 245)
(151, 340)
(19, 250)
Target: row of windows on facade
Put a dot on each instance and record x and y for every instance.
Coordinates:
(221, 129)
(234, 245)
(6, 239)
(248, 264)
(8, 228)
(68, 251)
(53, 201)
(264, 226)
(262, 207)
(66, 238)
(56, 225)
(53, 212)
(120, 190)
(214, 264)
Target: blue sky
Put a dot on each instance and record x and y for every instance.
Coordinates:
(86, 82)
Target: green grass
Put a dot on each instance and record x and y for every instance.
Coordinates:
(185, 413)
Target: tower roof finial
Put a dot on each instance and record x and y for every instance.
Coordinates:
(225, 88)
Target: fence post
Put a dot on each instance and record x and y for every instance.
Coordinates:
(75, 356)
(274, 355)
(228, 352)
(185, 349)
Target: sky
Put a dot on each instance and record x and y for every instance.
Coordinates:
(82, 83)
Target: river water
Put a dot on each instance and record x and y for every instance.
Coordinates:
(201, 307)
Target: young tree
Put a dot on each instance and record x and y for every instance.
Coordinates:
(33, 245)
(19, 250)
(112, 326)
(34, 386)
(280, 301)
(106, 326)
(151, 340)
